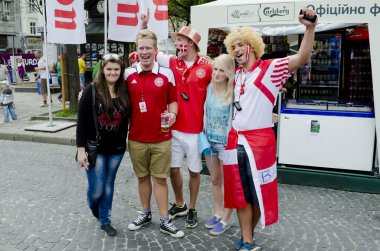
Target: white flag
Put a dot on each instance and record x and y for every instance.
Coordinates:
(65, 21)
(125, 23)
(158, 18)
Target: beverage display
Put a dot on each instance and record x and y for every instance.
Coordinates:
(359, 80)
(319, 77)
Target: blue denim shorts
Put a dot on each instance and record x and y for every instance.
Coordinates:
(246, 176)
(216, 149)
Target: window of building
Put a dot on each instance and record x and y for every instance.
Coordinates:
(33, 28)
(32, 5)
(7, 7)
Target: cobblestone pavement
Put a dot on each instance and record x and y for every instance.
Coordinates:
(43, 207)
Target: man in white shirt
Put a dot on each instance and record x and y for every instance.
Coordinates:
(41, 70)
(4, 73)
(250, 175)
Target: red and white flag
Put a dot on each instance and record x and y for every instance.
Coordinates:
(65, 21)
(182, 47)
(260, 147)
(124, 18)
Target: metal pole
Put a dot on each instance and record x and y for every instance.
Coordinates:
(47, 65)
(279, 106)
(105, 26)
(13, 64)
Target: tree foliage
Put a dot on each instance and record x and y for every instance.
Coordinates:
(179, 11)
(33, 5)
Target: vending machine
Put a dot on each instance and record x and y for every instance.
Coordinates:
(357, 84)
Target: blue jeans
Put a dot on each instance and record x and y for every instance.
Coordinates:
(101, 182)
(9, 109)
(82, 78)
(60, 86)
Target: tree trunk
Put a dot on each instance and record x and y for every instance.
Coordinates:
(72, 76)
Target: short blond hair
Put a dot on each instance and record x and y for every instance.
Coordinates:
(247, 35)
(147, 34)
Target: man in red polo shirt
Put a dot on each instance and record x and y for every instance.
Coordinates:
(152, 92)
(192, 74)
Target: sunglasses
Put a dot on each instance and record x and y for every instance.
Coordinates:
(111, 56)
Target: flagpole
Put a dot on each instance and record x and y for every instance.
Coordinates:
(105, 26)
(45, 53)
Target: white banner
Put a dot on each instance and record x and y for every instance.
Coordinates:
(124, 18)
(65, 21)
(158, 18)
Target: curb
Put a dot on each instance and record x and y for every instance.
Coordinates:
(38, 137)
(34, 89)
(46, 117)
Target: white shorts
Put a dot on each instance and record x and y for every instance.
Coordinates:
(186, 144)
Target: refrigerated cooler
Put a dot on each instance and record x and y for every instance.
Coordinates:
(320, 77)
(327, 134)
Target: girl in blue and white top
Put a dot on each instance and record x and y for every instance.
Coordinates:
(217, 123)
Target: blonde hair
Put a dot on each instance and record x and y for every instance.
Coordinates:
(247, 35)
(147, 34)
(227, 64)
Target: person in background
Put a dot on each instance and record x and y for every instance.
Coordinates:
(59, 73)
(133, 58)
(217, 123)
(42, 76)
(192, 75)
(21, 69)
(250, 175)
(95, 70)
(82, 70)
(152, 91)
(112, 107)
(6, 101)
(4, 74)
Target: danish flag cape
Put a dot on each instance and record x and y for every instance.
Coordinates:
(260, 146)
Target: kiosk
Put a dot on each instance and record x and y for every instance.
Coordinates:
(335, 135)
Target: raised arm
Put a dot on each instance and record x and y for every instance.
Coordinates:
(304, 52)
(144, 20)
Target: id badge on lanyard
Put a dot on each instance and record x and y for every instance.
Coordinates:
(142, 106)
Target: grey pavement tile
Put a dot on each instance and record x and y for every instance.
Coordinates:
(32, 248)
(49, 211)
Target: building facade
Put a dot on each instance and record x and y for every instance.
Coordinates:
(9, 24)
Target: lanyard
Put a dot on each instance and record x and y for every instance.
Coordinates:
(242, 82)
(148, 73)
(141, 90)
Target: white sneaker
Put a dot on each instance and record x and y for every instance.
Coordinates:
(169, 228)
(43, 105)
(142, 219)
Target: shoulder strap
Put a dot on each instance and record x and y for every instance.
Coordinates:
(93, 111)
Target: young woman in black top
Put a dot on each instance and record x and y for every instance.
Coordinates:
(112, 108)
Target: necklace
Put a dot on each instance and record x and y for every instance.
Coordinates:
(111, 89)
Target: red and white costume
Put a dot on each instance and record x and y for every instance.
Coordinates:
(193, 81)
(252, 128)
(157, 89)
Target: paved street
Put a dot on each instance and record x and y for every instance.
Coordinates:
(43, 207)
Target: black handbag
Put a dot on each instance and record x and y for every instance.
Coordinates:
(92, 145)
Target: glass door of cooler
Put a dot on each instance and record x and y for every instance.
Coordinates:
(319, 77)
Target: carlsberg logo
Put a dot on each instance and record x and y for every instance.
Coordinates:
(272, 12)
